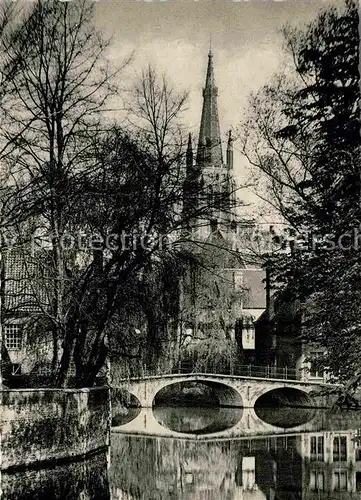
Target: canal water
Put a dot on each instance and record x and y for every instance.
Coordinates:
(298, 454)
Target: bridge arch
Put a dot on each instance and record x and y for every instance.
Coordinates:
(283, 396)
(226, 394)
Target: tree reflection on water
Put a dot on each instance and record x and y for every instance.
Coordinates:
(85, 479)
(324, 463)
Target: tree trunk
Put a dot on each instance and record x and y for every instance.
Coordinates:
(63, 372)
(54, 361)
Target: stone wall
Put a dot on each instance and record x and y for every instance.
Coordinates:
(50, 424)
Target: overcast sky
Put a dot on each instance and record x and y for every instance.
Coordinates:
(173, 35)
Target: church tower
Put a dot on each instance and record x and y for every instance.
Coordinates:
(209, 181)
(220, 287)
(211, 280)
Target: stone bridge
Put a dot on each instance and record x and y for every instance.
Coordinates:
(231, 390)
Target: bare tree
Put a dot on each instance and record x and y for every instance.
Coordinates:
(122, 192)
(156, 114)
(60, 82)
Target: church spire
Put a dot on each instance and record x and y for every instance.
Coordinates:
(209, 145)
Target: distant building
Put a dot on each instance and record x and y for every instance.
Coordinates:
(279, 340)
(25, 299)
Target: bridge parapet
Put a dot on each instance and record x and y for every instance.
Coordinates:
(237, 369)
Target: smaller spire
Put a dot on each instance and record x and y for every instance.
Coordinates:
(189, 147)
(201, 150)
(189, 154)
(230, 150)
(210, 46)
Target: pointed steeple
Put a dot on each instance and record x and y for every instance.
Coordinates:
(209, 145)
(230, 150)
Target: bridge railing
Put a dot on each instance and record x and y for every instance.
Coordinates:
(275, 372)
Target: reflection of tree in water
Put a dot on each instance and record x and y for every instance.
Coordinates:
(157, 468)
(82, 479)
(124, 416)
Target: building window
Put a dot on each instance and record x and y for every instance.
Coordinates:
(12, 334)
(317, 448)
(317, 481)
(340, 449)
(340, 480)
(315, 370)
(189, 477)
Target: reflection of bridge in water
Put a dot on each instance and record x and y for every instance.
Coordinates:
(149, 422)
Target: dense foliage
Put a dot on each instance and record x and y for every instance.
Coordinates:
(303, 134)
